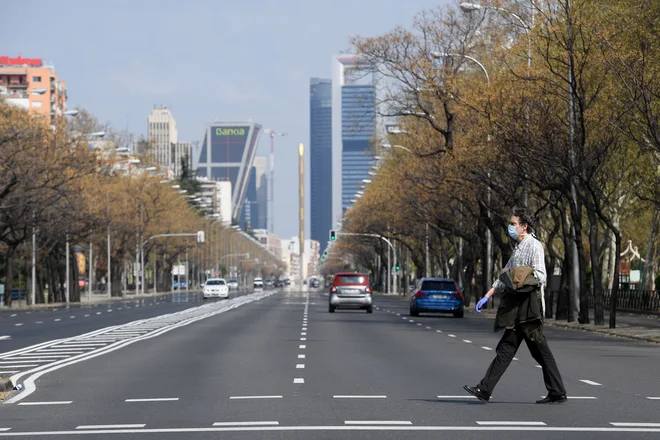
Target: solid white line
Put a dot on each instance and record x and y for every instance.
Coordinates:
(254, 397)
(9, 372)
(487, 348)
(302, 346)
(653, 398)
(20, 366)
(427, 428)
(299, 380)
(377, 422)
(511, 423)
(4, 429)
(301, 356)
(590, 382)
(135, 425)
(90, 345)
(156, 399)
(54, 402)
(359, 397)
(246, 423)
(635, 425)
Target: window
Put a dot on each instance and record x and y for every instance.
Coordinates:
(36, 79)
(351, 279)
(439, 285)
(215, 283)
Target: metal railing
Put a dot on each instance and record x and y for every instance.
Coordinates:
(636, 301)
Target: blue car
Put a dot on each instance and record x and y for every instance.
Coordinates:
(436, 295)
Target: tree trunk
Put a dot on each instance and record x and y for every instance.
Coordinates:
(649, 281)
(563, 295)
(573, 305)
(615, 287)
(599, 317)
(9, 283)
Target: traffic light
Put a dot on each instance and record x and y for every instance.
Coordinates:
(333, 235)
(397, 267)
(325, 255)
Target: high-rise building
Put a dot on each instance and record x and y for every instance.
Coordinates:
(320, 150)
(355, 125)
(250, 213)
(162, 136)
(181, 151)
(261, 169)
(226, 153)
(218, 195)
(29, 83)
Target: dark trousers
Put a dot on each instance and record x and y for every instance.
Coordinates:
(540, 351)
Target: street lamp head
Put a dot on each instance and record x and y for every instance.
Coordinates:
(150, 169)
(470, 7)
(72, 112)
(98, 134)
(176, 186)
(366, 180)
(134, 161)
(38, 91)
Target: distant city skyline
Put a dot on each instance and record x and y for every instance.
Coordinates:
(119, 61)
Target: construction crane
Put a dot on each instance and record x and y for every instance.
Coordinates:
(271, 186)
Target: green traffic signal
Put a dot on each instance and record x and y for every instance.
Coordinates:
(333, 235)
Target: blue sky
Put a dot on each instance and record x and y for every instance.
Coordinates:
(206, 60)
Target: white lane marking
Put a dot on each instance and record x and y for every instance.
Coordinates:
(299, 380)
(303, 339)
(398, 314)
(635, 425)
(300, 366)
(85, 344)
(110, 310)
(54, 351)
(410, 320)
(9, 372)
(581, 397)
(653, 398)
(428, 328)
(254, 397)
(54, 402)
(155, 399)
(72, 317)
(5, 338)
(302, 347)
(98, 313)
(451, 336)
(487, 348)
(359, 397)
(438, 331)
(18, 324)
(497, 423)
(467, 341)
(124, 426)
(246, 423)
(456, 397)
(4, 429)
(515, 359)
(538, 366)
(301, 356)
(40, 322)
(20, 366)
(86, 316)
(303, 334)
(40, 356)
(590, 382)
(57, 320)
(378, 422)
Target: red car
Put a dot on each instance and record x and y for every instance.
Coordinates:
(350, 290)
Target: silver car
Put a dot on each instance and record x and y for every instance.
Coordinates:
(350, 290)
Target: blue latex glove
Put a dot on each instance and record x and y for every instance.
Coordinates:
(481, 303)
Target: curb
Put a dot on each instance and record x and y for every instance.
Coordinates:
(579, 327)
(6, 385)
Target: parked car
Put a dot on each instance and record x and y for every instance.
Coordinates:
(350, 290)
(278, 283)
(436, 295)
(268, 283)
(215, 288)
(233, 284)
(258, 283)
(287, 282)
(315, 283)
(176, 285)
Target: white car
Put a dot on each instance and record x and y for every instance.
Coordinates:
(233, 284)
(258, 283)
(216, 288)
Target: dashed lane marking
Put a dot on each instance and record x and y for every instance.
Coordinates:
(254, 397)
(300, 366)
(590, 382)
(299, 380)
(264, 423)
(498, 423)
(54, 402)
(155, 399)
(487, 348)
(121, 426)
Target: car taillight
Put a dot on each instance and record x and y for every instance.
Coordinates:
(420, 294)
(333, 290)
(458, 294)
(368, 289)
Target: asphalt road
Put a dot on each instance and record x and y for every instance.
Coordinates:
(279, 366)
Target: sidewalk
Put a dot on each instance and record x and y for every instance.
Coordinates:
(628, 325)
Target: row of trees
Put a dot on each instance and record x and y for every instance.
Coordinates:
(549, 104)
(56, 190)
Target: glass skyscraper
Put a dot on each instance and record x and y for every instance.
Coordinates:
(358, 127)
(320, 129)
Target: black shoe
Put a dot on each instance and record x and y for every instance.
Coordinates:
(553, 398)
(478, 393)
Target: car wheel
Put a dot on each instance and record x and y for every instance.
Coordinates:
(370, 309)
(414, 312)
(331, 309)
(458, 314)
